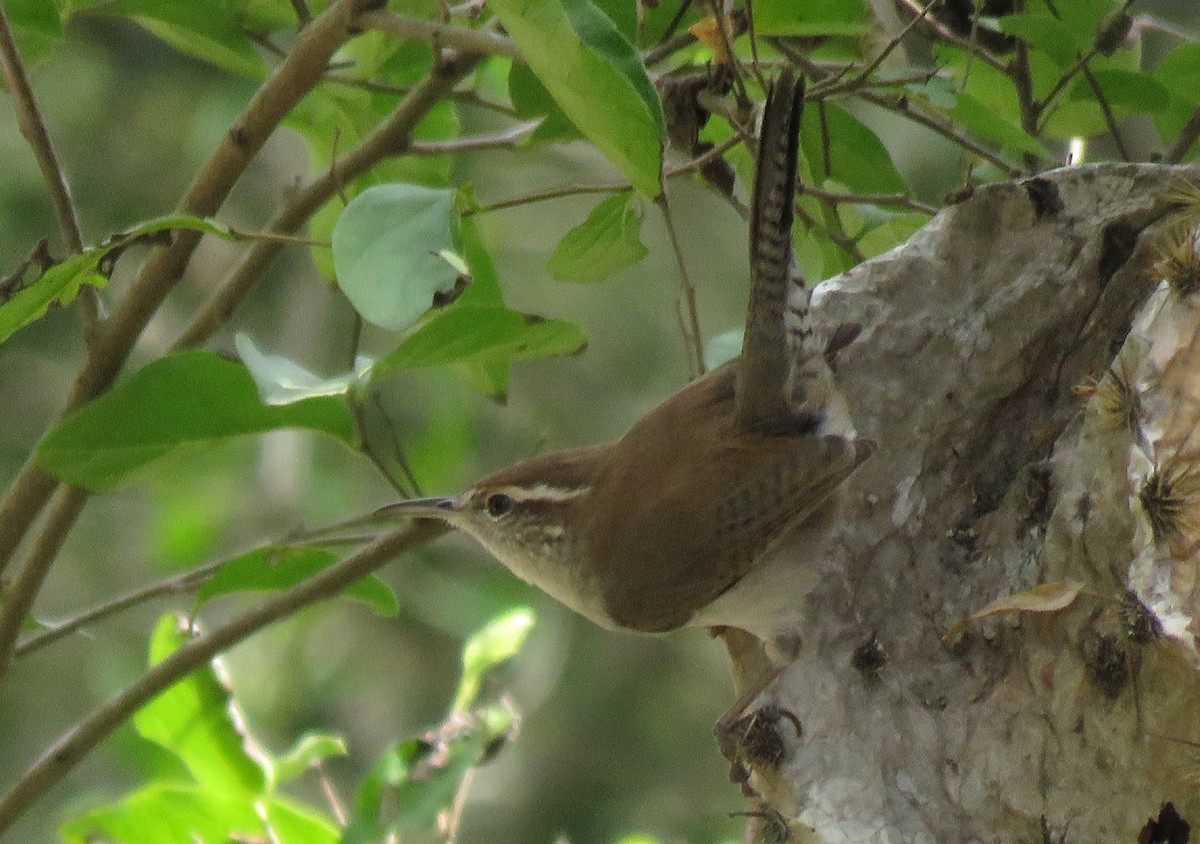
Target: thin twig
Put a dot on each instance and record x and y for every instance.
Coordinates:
(398, 452)
(368, 448)
(73, 746)
(65, 507)
(1184, 140)
(669, 39)
(389, 139)
(692, 337)
(507, 139)
(839, 238)
(1022, 79)
(460, 38)
(299, 73)
(698, 163)
(174, 585)
(871, 67)
(828, 88)
(467, 97)
(336, 804)
(33, 127)
(1060, 86)
(835, 198)
(1109, 118)
(954, 38)
(191, 580)
(689, 166)
(552, 193)
(281, 238)
(904, 107)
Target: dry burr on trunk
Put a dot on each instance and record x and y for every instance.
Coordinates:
(676, 524)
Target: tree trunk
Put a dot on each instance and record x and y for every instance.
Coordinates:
(1030, 383)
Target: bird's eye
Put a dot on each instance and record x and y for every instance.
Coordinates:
(498, 504)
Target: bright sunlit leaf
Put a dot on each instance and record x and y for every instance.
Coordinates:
(497, 642)
(193, 719)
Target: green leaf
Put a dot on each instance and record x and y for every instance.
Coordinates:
(857, 158)
(531, 100)
(490, 373)
(36, 26)
(420, 782)
(608, 241)
(499, 640)
(1179, 72)
(187, 399)
(385, 248)
(469, 332)
(167, 813)
(276, 567)
(282, 381)
(989, 124)
(193, 720)
(170, 813)
(891, 233)
(596, 77)
(310, 750)
(207, 29)
(63, 281)
(812, 17)
(290, 822)
(1056, 38)
(1126, 92)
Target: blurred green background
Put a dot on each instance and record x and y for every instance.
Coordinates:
(616, 736)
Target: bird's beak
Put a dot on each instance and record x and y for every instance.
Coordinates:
(419, 508)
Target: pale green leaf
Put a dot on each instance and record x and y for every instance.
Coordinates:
(385, 251)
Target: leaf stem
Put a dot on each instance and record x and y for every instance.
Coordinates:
(691, 335)
(33, 127)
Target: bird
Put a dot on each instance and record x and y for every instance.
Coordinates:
(677, 523)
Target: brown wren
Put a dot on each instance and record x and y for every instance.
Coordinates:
(673, 525)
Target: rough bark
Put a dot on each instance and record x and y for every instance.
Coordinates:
(996, 474)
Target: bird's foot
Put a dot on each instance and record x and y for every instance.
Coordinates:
(755, 741)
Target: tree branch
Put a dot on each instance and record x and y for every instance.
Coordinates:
(190, 580)
(459, 38)
(174, 585)
(68, 502)
(295, 77)
(60, 758)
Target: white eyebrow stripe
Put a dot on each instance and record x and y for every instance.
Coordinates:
(545, 492)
